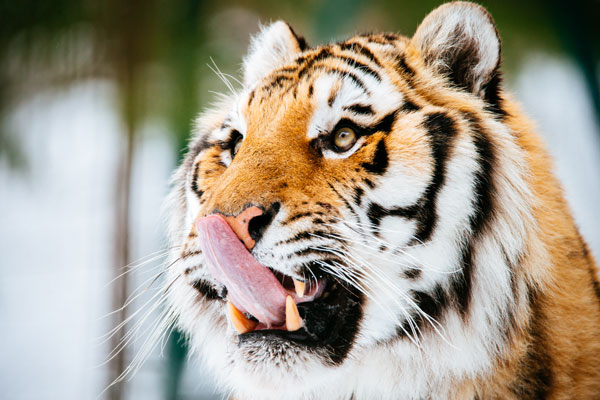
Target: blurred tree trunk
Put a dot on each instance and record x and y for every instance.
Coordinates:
(186, 28)
(127, 25)
(121, 258)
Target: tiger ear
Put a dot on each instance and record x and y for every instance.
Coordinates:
(272, 46)
(460, 40)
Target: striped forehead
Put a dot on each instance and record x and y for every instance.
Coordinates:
(345, 80)
(360, 96)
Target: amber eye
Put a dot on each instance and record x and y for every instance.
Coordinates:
(344, 138)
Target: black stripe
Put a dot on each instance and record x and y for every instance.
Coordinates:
(376, 212)
(461, 282)
(197, 147)
(535, 377)
(391, 36)
(300, 39)
(412, 273)
(385, 124)
(343, 200)
(347, 204)
(326, 53)
(483, 208)
(409, 106)
(207, 290)
(195, 187)
(190, 253)
(441, 131)
(277, 81)
(360, 109)
(321, 55)
(380, 161)
(510, 323)
(378, 39)
(345, 74)
(331, 99)
(301, 60)
(297, 216)
(483, 178)
(357, 64)
(309, 251)
(314, 268)
(293, 68)
(360, 49)
(360, 66)
(358, 194)
(403, 66)
(431, 303)
(303, 236)
(492, 94)
(310, 59)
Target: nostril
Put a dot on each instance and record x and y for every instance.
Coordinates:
(258, 224)
(239, 224)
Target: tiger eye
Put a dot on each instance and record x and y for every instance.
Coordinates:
(344, 138)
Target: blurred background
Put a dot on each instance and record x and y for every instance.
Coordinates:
(97, 100)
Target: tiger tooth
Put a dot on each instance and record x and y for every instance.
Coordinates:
(299, 286)
(292, 317)
(239, 320)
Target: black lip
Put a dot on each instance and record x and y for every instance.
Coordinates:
(330, 325)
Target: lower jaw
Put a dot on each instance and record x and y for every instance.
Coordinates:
(300, 337)
(329, 329)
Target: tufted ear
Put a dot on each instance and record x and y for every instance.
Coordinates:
(272, 46)
(460, 40)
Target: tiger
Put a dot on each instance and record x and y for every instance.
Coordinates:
(377, 219)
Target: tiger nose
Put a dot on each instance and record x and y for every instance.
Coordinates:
(250, 224)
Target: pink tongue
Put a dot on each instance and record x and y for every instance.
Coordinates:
(251, 287)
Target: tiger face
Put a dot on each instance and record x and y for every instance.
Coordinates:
(348, 223)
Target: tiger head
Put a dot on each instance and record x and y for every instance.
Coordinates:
(330, 218)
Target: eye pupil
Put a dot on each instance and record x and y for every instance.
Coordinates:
(344, 139)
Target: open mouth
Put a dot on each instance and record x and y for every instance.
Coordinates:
(264, 304)
(329, 317)
(296, 292)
